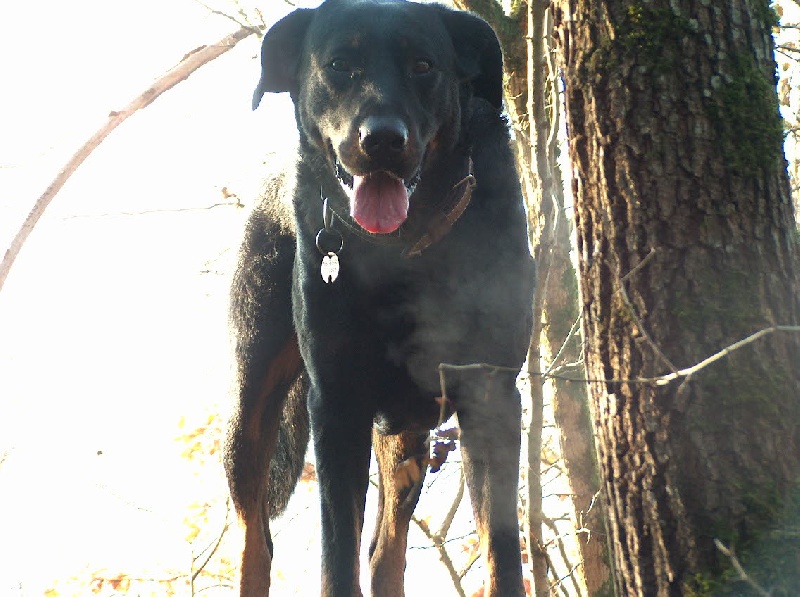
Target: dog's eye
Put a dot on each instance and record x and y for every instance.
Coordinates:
(422, 66)
(340, 65)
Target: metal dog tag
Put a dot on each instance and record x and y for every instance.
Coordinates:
(330, 267)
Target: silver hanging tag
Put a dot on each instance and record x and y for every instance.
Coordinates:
(328, 238)
(330, 267)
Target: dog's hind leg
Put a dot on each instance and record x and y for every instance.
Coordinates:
(396, 502)
(257, 463)
(269, 432)
(490, 423)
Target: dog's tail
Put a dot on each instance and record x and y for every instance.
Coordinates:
(269, 432)
(288, 462)
(268, 436)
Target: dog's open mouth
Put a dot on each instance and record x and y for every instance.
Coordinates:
(379, 200)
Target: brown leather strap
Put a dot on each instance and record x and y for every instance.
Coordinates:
(435, 228)
(442, 222)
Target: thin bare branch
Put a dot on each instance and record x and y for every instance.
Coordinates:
(632, 312)
(640, 265)
(242, 19)
(225, 526)
(439, 539)
(660, 380)
(743, 576)
(665, 379)
(190, 63)
(572, 331)
(444, 528)
(470, 563)
(146, 212)
(444, 557)
(642, 330)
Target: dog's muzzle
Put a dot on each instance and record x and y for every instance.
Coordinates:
(379, 198)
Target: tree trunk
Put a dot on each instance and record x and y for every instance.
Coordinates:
(687, 243)
(570, 408)
(532, 103)
(558, 287)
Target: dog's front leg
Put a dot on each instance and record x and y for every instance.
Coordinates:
(396, 504)
(489, 418)
(342, 448)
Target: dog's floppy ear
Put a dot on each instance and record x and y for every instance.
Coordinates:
(280, 53)
(478, 54)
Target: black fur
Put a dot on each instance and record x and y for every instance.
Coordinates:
(413, 92)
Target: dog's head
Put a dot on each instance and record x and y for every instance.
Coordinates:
(379, 87)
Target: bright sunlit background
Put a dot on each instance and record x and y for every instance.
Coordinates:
(115, 368)
(114, 349)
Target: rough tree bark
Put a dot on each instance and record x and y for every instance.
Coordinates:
(687, 243)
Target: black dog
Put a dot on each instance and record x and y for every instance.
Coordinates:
(406, 185)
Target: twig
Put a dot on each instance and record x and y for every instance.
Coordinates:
(225, 528)
(787, 50)
(475, 367)
(245, 22)
(444, 557)
(186, 67)
(583, 516)
(665, 379)
(155, 211)
(640, 265)
(439, 539)
(559, 582)
(632, 312)
(563, 347)
(660, 380)
(470, 563)
(559, 539)
(217, 586)
(642, 330)
(566, 367)
(743, 576)
(444, 528)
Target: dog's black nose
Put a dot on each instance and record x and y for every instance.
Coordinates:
(382, 136)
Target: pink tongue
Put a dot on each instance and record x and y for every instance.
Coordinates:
(380, 202)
